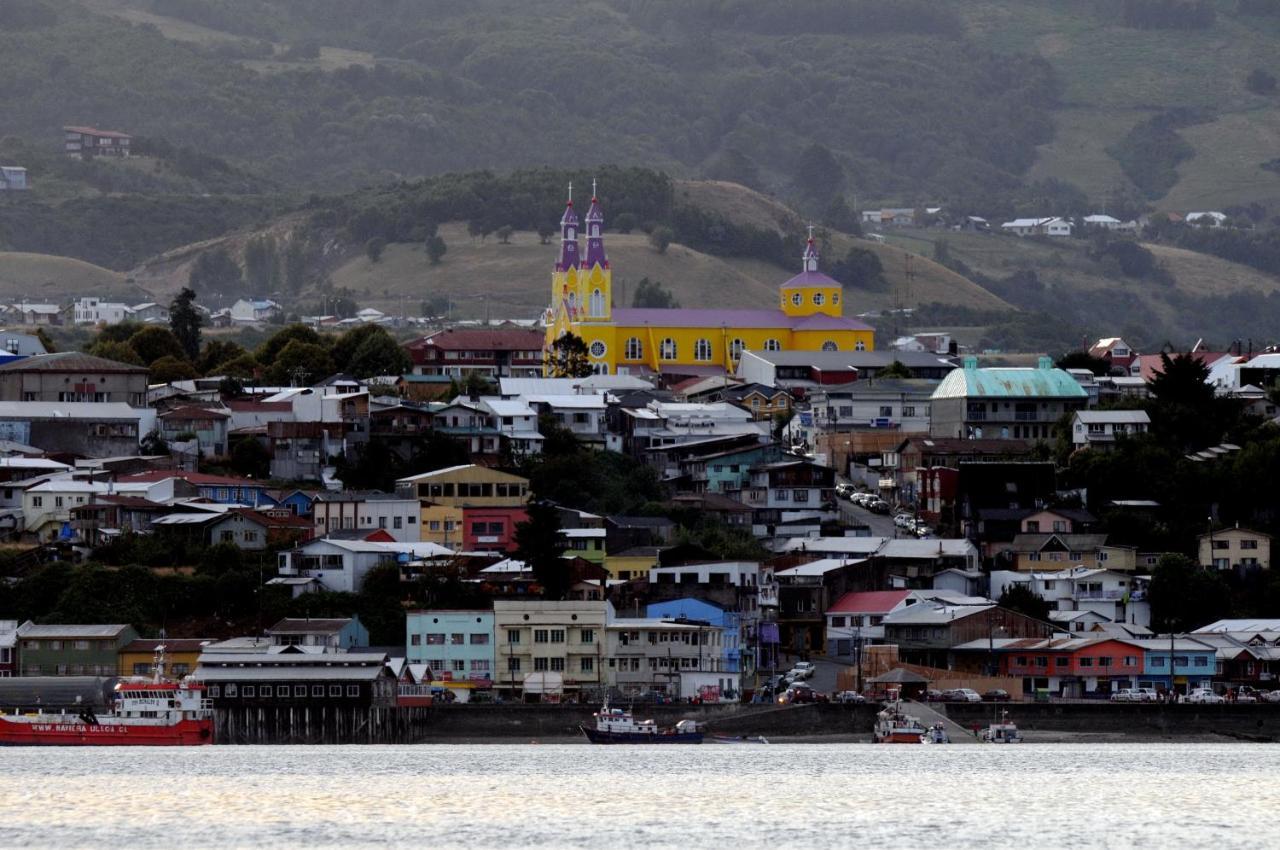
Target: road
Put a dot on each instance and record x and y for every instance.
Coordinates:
(881, 524)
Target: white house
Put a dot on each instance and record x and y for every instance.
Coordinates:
(517, 421)
(369, 314)
(1114, 596)
(91, 310)
(1211, 218)
(365, 512)
(255, 310)
(341, 565)
(13, 177)
(150, 312)
(1101, 428)
(1051, 226)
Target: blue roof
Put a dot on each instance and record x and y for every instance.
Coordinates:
(1043, 381)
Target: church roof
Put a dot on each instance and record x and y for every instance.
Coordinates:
(714, 318)
(807, 278)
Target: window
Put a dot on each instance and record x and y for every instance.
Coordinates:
(335, 690)
(1222, 544)
(1201, 661)
(1157, 660)
(459, 666)
(772, 345)
(597, 309)
(513, 635)
(860, 346)
(317, 691)
(1086, 662)
(1248, 544)
(480, 665)
(397, 522)
(835, 298)
(541, 636)
(735, 349)
(479, 639)
(702, 350)
(81, 644)
(1105, 661)
(1062, 661)
(541, 664)
(37, 501)
(435, 639)
(588, 665)
(1129, 660)
(251, 691)
(557, 665)
(1033, 526)
(830, 345)
(299, 690)
(513, 665)
(818, 299)
(837, 622)
(588, 635)
(457, 639)
(667, 350)
(797, 299)
(353, 690)
(597, 348)
(634, 349)
(557, 635)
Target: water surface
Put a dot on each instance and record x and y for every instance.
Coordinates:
(554, 796)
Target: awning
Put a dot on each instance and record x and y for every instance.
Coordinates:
(543, 683)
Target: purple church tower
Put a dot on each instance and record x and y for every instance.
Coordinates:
(568, 237)
(595, 233)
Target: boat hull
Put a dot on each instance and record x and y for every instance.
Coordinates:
(72, 732)
(907, 736)
(595, 736)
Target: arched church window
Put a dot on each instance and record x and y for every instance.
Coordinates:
(772, 345)
(598, 349)
(597, 303)
(667, 350)
(634, 349)
(861, 346)
(818, 298)
(830, 345)
(797, 299)
(702, 350)
(735, 349)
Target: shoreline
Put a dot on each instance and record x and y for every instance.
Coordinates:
(1032, 737)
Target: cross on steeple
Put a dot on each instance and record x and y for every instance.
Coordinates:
(570, 193)
(811, 231)
(593, 188)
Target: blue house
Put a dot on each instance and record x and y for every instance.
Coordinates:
(728, 622)
(720, 472)
(455, 645)
(1194, 663)
(298, 502)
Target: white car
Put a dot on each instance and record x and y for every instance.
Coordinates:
(1205, 696)
(903, 520)
(965, 695)
(801, 670)
(1270, 696)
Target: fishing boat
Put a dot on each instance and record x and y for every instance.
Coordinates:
(1002, 732)
(739, 739)
(935, 734)
(616, 726)
(893, 726)
(145, 713)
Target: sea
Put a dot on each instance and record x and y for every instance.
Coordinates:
(708, 796)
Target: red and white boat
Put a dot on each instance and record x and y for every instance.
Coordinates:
(145, 713)
(893, 726)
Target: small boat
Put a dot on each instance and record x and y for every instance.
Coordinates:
(935, 734)
(1003, 732)
(616, 726)
(893, 726)
(145, 713)
(739, 739)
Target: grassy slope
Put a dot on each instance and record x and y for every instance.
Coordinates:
(1115, 77)
(40, 276)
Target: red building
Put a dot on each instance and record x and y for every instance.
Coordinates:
(88, 142)
(490, 529)
(502, 352)
(1069, 667)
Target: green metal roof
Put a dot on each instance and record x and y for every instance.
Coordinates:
(1043, 381)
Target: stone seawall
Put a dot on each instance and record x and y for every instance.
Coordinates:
(1259, 721)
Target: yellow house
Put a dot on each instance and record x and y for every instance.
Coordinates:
(634, 340)
(631, 563)
(138, 657)
(445, 492)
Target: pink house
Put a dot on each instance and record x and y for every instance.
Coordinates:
(490, 529)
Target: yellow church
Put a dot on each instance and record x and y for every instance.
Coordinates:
(638, 340)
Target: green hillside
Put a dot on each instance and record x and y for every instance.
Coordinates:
(45, 277)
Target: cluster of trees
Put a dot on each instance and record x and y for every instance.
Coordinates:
(1149, 154)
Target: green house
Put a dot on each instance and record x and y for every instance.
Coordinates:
(71, 650)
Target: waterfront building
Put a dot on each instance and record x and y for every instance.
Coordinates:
(455, 645)
(293, 678)
(337, 634)
(549, 650)
(730, 623)
(138, 657)
(635, 340)
(72, 650)
(653, 655)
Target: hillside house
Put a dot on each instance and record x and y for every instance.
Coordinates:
(1101, 428)
(13, 178)
(1051, 226)
(90, 142)
(1004, 403)
(249, 311)
(490, 352)
(1235, 549)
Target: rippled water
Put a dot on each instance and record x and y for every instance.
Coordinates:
(812, 796)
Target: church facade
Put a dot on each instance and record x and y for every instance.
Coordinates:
(637, 340)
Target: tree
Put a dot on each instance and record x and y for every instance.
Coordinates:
(660, 238)
(435, 249)
(1260, 82)
(215, 353)
(46, 341)
(120, 352)
(624, 222)
(244, 366)
(1184, 596)
(1084, 360)
(374, 248)
(369, 350)
(185, 321)
(896, 369)
(569, 358)
(154, 342)
(1021, 598)
(261, 268)
(540, 545)
(167, 369)
(299, 363)
(295, 266)
(545, 232)
(840, 216)
(818, 176)
(250, 458)
(504, 234)
(274, 344)
(860, 268)
(215, 272)
(153, 444)
(651, 293)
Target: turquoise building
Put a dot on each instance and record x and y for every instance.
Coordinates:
(1194, 664)
(455, 645)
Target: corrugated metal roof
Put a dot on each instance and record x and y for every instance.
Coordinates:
(286, 674)
(71, 632)
(1008, 382)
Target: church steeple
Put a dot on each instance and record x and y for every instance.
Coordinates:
(595, 233)
(568, 237)
(810, 258)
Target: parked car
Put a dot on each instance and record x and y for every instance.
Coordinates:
(922, 530)
(996, 695)
(1135, 695)
(861, 499)
(1270, 696)
(849, 697)
(933, 695)
(1205, 696)
(801, 670)
(802, 693)
(1244, 693)
(845, 491)
(963, 695)
(878, 506)
(903, 520)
